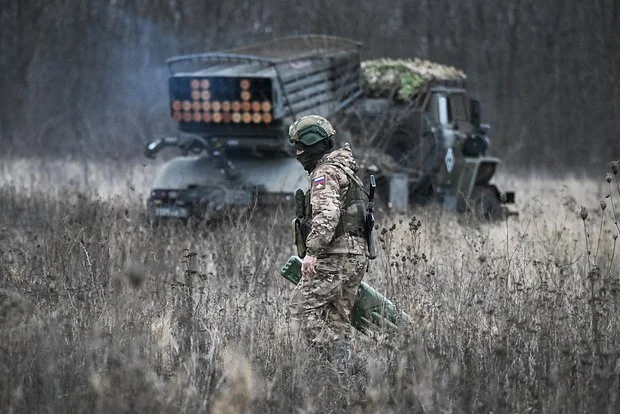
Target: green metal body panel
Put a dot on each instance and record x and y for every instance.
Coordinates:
(272, 175)
(464, 176)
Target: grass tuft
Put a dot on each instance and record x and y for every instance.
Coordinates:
(99, 312)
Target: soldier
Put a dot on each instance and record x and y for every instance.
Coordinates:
(334, 218)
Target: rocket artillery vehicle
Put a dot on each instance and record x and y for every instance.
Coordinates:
(411, 124)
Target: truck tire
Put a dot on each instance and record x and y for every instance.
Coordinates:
(485, 203)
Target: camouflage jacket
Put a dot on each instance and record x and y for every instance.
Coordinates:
(328, 189)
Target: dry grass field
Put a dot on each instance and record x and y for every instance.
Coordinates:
(100, 313)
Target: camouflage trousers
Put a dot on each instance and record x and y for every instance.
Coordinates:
(322, 302)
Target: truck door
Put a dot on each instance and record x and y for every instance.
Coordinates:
(457, 114)
(446, 175)
(450, 113)
(453, 119)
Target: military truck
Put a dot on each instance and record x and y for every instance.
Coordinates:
(414, 127)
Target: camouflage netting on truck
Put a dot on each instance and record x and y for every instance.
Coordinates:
(403, 78)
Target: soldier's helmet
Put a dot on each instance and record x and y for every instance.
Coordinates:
(310, 129)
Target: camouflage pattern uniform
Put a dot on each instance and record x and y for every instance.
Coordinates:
(324, 300)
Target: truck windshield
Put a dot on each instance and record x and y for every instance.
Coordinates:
(457, 111)
(437, 108)
(448, 109)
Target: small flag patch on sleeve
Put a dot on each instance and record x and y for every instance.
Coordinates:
(319, 182)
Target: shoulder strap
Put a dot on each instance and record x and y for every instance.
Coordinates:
(353, 177)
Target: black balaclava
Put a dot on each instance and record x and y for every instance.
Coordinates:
(313, 153)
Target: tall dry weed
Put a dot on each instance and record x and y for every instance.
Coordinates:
(99, 312)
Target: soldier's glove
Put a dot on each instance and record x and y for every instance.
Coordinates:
(308, 266)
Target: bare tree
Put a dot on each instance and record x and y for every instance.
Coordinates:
(547, 73)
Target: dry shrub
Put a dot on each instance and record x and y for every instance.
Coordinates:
(101, 313)
(235, 392)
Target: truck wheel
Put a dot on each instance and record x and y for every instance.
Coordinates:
(485, 203)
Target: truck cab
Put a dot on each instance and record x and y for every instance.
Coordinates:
(430, 148)
(464, 170)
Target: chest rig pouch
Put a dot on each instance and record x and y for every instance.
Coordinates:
(352, 213)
